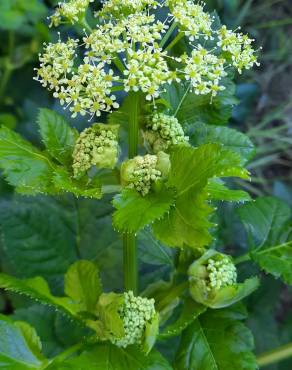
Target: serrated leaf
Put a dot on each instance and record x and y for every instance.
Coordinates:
(216, 342)
(190, 311)
(191, 168)
(134, 211)
(86, 188)
(15, 351)
(187, 223)
(32, 339)
(218, 191)
(232, 139)
(37, 289)
(24, 166)
(57, 135)
(191, 108)
(83, 285)
(266, 221)
(110, 357)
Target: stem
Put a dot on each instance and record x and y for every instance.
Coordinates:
(8, 67)
(275, 355)
(167, 35)
(129, 240)
(179, 36)
(243, 258)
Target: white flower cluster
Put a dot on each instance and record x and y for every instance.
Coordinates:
(164, 131)
(71, 11)
(135, 313)
(96, 146)
(147, 70)
(204, 70)
(239, 46)
(195, 22)
(221, 273)
(144, 173)
(120, 9)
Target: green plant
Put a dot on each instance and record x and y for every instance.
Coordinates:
(165, 90)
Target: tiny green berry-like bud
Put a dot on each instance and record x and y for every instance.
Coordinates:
(163, 131)
(136, 313)
(96, 146)
(141, 172)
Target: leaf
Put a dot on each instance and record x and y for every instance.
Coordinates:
(150, 334)
(63, 182)
(192, 108)
(216, 341)
(187, 223)
(218, 191)
(134, 211)
(31, 338)
(15, 350)
(231, 139)
(57, 135)
(110, 357)
(190, 311)
(266, 222)
(83, 285)
(24, 166)
(38, 237)
(192, 168)
(37, 288)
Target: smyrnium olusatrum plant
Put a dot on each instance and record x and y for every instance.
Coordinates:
(161, 73)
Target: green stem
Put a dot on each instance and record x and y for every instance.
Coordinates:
(179, 36)
(243, 258)
(275, 355)
(129, 240)
(8, 67)
(167, 35)
(67, 353)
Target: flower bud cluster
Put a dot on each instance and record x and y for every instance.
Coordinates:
(239, 46)
(221, 273)
(195, 22)
(96, 146)
(204, 70)
(120, 9)
(71, 11)
(147, 70)
(136, 312)
(164, 131)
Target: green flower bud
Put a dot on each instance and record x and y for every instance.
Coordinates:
(141, 172)
(96, 146)
(138, 315)
(213, 283)
(163, 131)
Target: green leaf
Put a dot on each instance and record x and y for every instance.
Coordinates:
(83, 187)
(232, 139)
(190, 311)
(218, 191)
(110, 357)
(37, 288)
(150, 334)
(57, 135)
(192, 168)
(134, 211)
(15, 348)
(38, 237)
(216, 341)
(31, 338)
(266, 221)
(24, 166)
(192, 108)
(83, 285)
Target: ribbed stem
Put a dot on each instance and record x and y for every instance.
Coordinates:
(275, 355)
(129, 240)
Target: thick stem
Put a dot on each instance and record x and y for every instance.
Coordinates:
(275, 355)
(129, 240)
(243, 258)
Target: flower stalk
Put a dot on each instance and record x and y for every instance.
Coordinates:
(275, 355)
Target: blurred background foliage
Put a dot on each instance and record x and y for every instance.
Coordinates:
(43, 236)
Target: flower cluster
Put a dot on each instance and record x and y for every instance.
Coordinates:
(204, 70)
(96, 146)
(120, 9)
(221, 273)
(136, 312)
(163, 131)
(140, 172)
(147, 70)
(71, 11)
(239, 46)
(195, 22)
